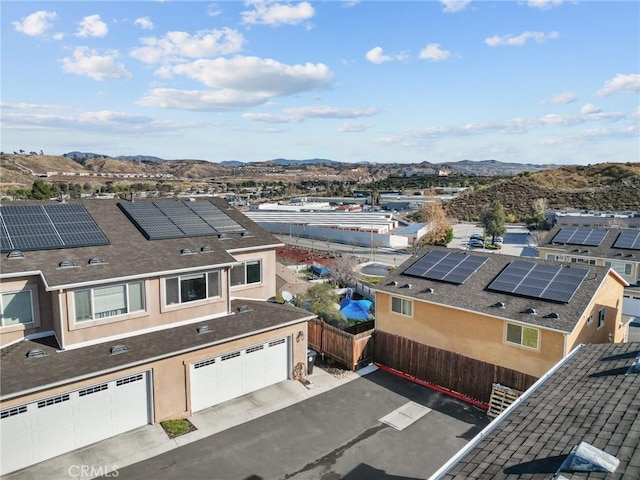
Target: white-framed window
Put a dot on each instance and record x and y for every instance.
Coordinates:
(109, 301)
(402, 306)
(524, 336)
(619, 267)
(602, 313)
(246, 273)
(192, 287)
(17, 308)
(589, 261)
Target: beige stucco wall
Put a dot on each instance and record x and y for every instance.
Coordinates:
(471, 334)
(170, 376)
(42, 309)
(267, 288)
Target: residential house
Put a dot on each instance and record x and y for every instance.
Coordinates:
(615, 247)
(579, 421)
(117, 314)
(480, 315)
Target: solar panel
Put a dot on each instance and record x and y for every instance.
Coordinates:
(43, 227)
(446, 266)
(628, 239)
(169, 219)
(580, 236)
(557, 283)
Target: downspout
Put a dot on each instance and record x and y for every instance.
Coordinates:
(61, 319)
(228, 270)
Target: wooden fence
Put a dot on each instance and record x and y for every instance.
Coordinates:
(351, 350)
(470, 377)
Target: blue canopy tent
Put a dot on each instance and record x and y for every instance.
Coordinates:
(356, 309)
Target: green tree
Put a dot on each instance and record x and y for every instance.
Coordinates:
(42, 191)
(493, 220)
(322, 300)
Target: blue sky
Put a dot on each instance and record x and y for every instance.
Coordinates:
(537, 81)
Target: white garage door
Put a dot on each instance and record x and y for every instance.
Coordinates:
(40, 430)
(216, 380)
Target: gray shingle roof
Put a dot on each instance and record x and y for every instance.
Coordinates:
(21, 374)
(473, 294)
(604, 250)
(130, 253)
(589, 398)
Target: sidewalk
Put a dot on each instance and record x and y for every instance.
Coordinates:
(109, 455)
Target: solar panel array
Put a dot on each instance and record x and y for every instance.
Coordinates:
(44, 227)
(169, 219)
(628, 239)
(548, 282)
(580, 236)
(447, 267)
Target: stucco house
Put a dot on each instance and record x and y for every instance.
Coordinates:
(613, 246)
(117, 314)
(516, 313)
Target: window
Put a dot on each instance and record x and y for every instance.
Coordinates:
(246, 274)
(189, 288)
(619, 267)
(110, 301)
(601, 316)
(17, 308)
(520, 335)
(402, 306)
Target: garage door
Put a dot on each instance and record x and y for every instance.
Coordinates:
(52, 426)
(218, 379)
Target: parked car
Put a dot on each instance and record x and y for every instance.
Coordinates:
(499, 240)
(474, 242)
(476, 236)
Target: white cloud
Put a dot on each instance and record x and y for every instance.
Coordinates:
(36, 24)
(89, 63)
(92, 26)
(563, 98)
(453, 6)
(144, 22)
(376, 55)
(202, 100)
(330, 112)
(30, 106)
(175, 45)
(590, 109)
(213, 10)
(354, 127)
(434, 52)
(270, 118)
(267, 12)
(621, 84)
(520, 40)
(544, 4)
(350, 3)
(252, 74)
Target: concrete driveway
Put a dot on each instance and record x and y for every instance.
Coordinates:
(335, 435)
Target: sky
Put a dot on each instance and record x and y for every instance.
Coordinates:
(530, 81)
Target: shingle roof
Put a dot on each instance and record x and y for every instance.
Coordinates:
(604, 250)
(21, 374)
(130, 253)
(589, 398)
(473, 294)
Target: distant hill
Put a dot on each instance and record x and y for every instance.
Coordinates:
(79, 156)
(605, 186)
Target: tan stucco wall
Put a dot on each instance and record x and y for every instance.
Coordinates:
(42, 306)
(471, 334)
(267, 288)
(610, 296)
(170, 376)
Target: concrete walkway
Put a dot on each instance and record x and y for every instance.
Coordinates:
(109, 455)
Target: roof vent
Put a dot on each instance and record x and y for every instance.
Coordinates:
(96, 261)
(118, 349)
(584, 457)
(629, 255)
(408, 285)
(204, 329)
(394, 283)
(246, 233)
(530, 311)
(618, 255)
(429, 290)
(244, 308)
(15, 255)
(551, 315)
(498, 305)
(67, 264)
(635, 366)
(223, 236)
(206, 249)
(36, 353)
(187, 251)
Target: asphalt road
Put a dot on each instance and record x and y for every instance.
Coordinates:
(336, 435)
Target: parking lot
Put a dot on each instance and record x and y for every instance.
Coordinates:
(516, 241)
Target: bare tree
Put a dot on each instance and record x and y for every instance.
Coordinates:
(343, 271)
(440, 230)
